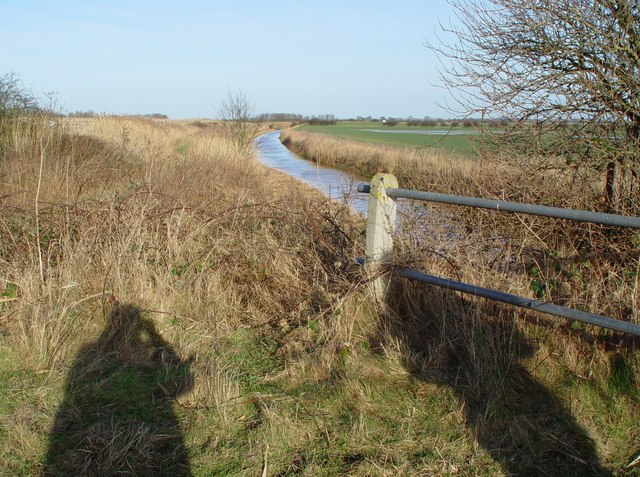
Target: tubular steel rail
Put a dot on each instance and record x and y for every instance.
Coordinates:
(381, 219)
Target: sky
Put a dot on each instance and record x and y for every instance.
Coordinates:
(347, 58)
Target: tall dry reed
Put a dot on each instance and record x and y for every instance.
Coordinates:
(169, 218)
(577, 264)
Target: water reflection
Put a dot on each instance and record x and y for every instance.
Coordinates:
(334, 183)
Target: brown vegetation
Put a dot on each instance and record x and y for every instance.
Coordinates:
(586, 266)
(172, 220)
(170, 306)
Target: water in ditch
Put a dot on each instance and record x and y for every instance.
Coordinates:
(415, 219)
(336, 184)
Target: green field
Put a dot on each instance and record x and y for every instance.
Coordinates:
(458, 140)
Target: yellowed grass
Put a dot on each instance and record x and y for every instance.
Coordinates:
(249, 278)
(415, 168)
(169, 217)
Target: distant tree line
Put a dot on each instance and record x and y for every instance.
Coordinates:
(153, 116)
(83, 114)
(430, 122)
(330, 119)
(92, 114)
(321, 120)
(281, 117)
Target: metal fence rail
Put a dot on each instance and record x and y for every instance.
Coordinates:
(515, 207)
(379, 247)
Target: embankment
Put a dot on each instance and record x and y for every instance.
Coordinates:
(169, 306)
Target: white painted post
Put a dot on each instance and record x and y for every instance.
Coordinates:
(381, 225)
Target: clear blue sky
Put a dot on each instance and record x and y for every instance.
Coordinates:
(346, 58)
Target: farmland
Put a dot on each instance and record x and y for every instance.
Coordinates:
(452, 139)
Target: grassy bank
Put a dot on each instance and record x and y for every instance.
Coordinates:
(170, 307)
(576, 264)
(579, 265)
(408, 164)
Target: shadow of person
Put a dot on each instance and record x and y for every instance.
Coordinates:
(476, 350)
(117, 413)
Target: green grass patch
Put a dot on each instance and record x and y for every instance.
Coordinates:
(458, 140)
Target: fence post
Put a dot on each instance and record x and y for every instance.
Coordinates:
(381, 225)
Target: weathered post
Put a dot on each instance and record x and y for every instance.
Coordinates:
(381, 225)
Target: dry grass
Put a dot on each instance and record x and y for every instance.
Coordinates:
(584, 266)
(171, 307)
(169, 218)
(581, 265)
(366, 160)
(508, 178)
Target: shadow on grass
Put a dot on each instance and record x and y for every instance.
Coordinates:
(475, 349)
(117, 415)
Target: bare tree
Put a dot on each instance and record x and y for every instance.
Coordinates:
(565, 72)
(16, 104)
(236, 112)
(14, 97)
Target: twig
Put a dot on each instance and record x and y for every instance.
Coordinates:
(568, 454)
(264, 469)
(634, 461)
(42, 149)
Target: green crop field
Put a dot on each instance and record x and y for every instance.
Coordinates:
(457, 139)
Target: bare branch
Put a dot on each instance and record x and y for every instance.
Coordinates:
(236, 112)
(566, 71)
